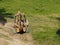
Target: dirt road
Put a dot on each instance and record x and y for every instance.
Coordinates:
(7, 37)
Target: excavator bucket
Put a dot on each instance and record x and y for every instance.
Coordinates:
(24, 29)
(17, 29)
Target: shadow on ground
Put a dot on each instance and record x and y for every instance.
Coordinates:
(58, 18)
(0, 0)
(58, 32)
(3, 16)
(21, 32)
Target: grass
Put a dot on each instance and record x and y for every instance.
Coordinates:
(31, 6)
(43, 15)
(5, 36)
(45, 28)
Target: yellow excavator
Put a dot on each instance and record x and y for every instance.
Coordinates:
(20, 23)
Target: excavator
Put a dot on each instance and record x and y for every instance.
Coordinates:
(20, 23)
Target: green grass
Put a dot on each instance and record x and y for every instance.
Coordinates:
(44, 29)
(31, 6)
(42, 15)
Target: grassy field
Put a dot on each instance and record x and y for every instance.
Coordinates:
(31, 6)
(43, 15)
(45, 29)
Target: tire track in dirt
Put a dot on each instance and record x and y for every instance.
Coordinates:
(18, 39)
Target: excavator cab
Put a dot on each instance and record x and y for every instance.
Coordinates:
(20, 22)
